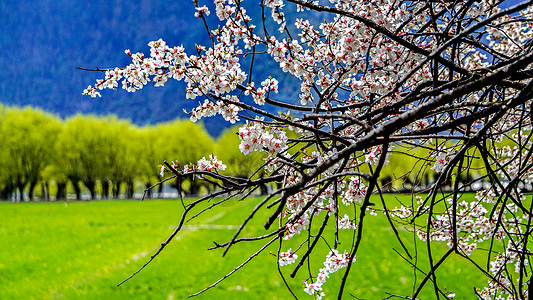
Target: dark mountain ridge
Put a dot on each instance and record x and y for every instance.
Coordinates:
(44, 41)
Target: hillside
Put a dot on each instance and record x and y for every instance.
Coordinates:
(44, 41)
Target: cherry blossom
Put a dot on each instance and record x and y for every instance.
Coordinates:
(372, 84)
(287, 258)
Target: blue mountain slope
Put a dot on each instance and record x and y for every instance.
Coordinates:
(44, 41)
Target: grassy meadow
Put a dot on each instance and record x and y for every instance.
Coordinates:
(81, 250)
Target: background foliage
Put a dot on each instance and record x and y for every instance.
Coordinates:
(44, 157)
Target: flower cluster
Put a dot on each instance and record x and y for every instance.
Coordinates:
(469, 226)
(202, 11)
(355, 192)
(374, 153)
(257, 137)
(217, 72)
(287, 258)
(402, 212)
(296, 226)
(334, 261)
(228, 111)
(346, 223)
(473, 224)
(213, 164)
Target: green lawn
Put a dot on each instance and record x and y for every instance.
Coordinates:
(81, 250)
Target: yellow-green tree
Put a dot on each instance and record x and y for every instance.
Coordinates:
(149, 155)
(82, 146)
(120, 144)
(184, 142)
(28, 137)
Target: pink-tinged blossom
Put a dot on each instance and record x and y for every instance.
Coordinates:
(91, 92)
(311, 288)
(296, 227)
(403, 212)
(322, 276)
(287, 258)
(164, 169)
(441, 161)
(201, 11)
(270, 85)
(346, 223)
(420, 124)
(273, 3)
(211, 165)
(335, 260)
(374, 154)
(356, 191)
(255, 136)
(217, 164)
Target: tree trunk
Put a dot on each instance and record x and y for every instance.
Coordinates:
(194, 188)
(91, 186)
(263, 188)
(31, 190)
(92, 190)
(20, 187)
(77, 189)
(45, 190)
(129, 189)
(105, 189)
(116, 189)
(61, 191)
(160, 191)
(7, 191)
(148, 191)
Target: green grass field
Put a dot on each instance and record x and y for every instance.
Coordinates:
(81, 250)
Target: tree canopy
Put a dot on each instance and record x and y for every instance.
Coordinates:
(103, 156)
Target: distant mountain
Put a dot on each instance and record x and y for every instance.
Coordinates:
(44, 41)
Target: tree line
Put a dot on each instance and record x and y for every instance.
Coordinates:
(47, 158)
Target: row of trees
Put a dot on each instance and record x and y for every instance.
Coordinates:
(42, 156)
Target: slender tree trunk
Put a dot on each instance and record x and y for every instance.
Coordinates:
(263, 188)
(148, 191)
(105, 189)
(194, 188)
(160, 190)
(7, 191)
(31, 190)
(129, 189)
(116, 189)
(20, 187)
(45, 190)
(92, 190)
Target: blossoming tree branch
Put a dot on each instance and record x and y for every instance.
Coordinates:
(446, 83)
